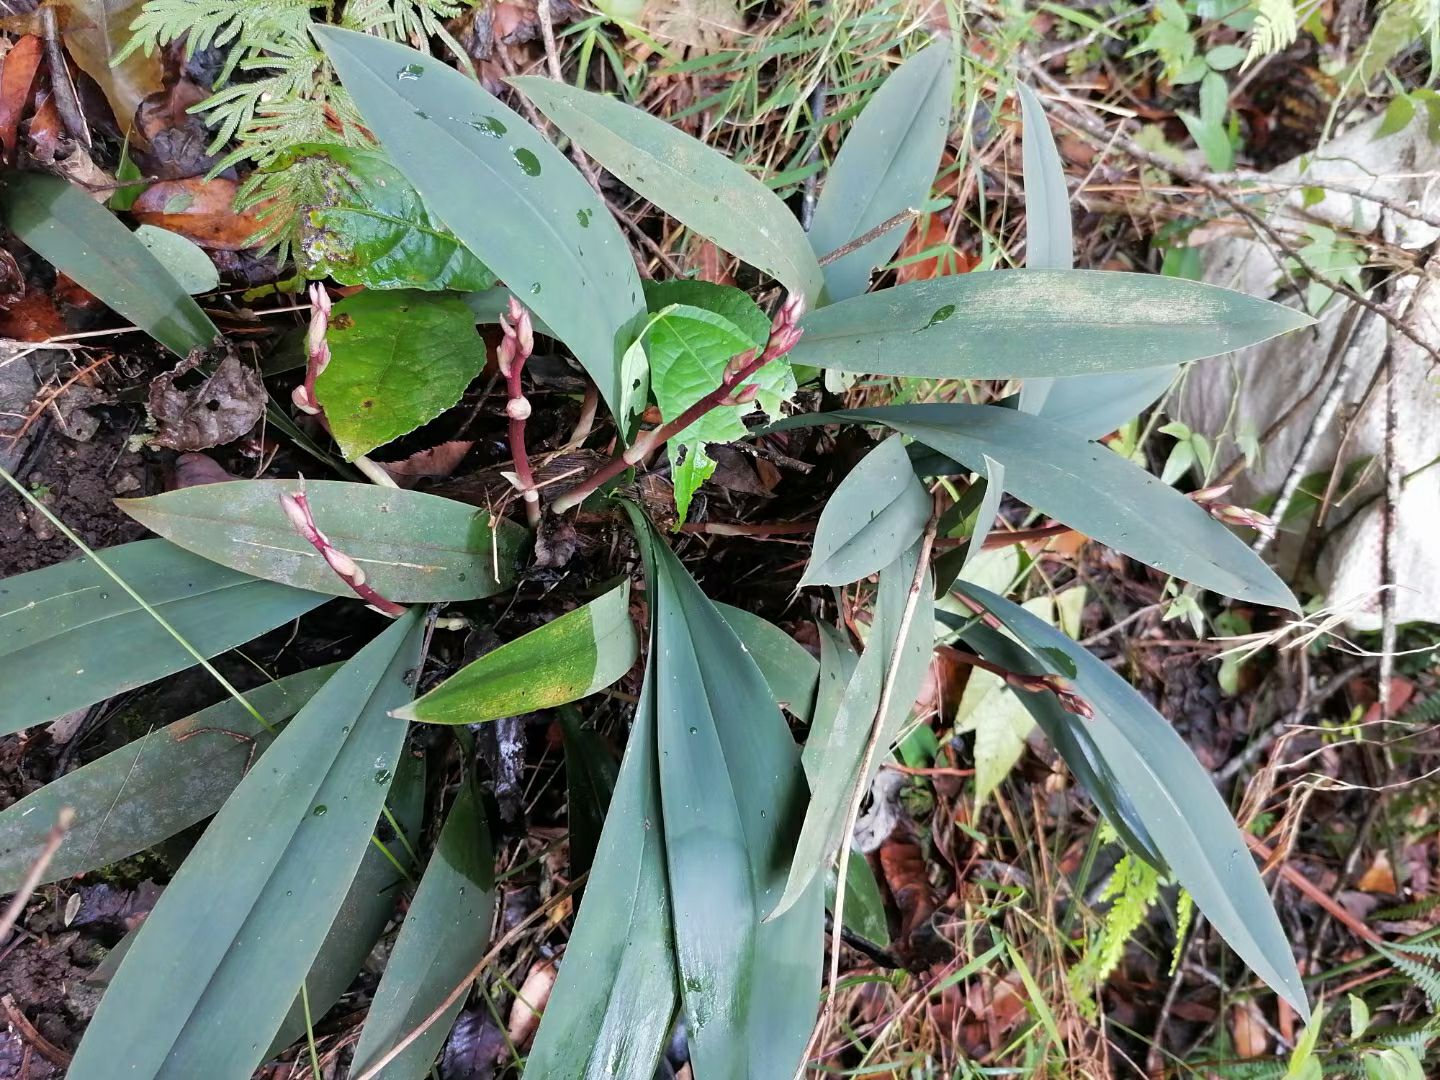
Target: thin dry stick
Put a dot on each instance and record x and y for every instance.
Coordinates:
(872, 746)
(474, 973)
(902, 218)
(53, 839)
(67, 101)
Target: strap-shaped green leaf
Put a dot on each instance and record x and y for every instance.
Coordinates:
(69, 636)
(613, 1003)
(687, 179)
(590, 775)
(789, 670)
(445, 933)
(567, 659)
(886, 166)
(1088, 487)
(211, 974)
(731, 792)
(414, 548)
(835, 750)
(1183, 813)
(506, 193)
(78, 236)
(148, 790)
(876, 513)
(1095, 405)
(1007, 324)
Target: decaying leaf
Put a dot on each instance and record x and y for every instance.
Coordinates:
(17, 76)
(437, 461)
(703, 25)
(94, 31)
(226, 405)
(201, 210)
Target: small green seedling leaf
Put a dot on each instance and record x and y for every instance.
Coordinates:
(876, 513)
(78, 236)
(215, 967)
(685, 178)
(69, 636)
(373, 229)
(567, 659)
(413, 547)
(182, 257)
(397, 361)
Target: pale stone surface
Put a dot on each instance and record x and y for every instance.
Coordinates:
(1259, 384)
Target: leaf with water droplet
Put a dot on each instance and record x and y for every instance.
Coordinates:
(528, 162)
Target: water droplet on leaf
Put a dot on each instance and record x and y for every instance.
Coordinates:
(321, 810)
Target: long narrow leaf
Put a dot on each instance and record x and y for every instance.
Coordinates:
(731, 791)
(445, 933)
(413, 547)
(788, 669)
(209, 978)
(507, 194)
(567, 659)
(79, 237)
(148, 790)
(69, 636)
(1182, 811)
(1026, 323)
(886, 166)
(685, 178)
(1088, 487)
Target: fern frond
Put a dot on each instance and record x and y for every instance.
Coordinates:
(1413, 910)
(1422, 975)
(1134, 886)
(1276, 27)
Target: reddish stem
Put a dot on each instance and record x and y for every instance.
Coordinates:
(317, 350)
(297, 509)
(511, 356)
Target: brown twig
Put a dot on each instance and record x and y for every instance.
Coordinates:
(510, 357)
(53, 839)
(904, 217)
(297, 509)
(48, 1050)
(67, 102)
(784, 333)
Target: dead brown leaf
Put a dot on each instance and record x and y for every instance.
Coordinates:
(195, 470)
(530, 1002)
(32, 318)
(52, 145)
(201, 210)
(439, 460)
(94, 33)
(12, 281)
(17, 77)
(1247, 1029)
(1379, 877)
(931, 236)
(225, 406)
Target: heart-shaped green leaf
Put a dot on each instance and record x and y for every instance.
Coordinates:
(445, 933)
(886, 166)
(567, 659)
(397, 361)
(209, 979)
(539, 225)
(78, 236)
(70, 636)
(413, 547)
(372, 228)
(1088, 487)
(1184, 814)
(149, 790)
(1026, 323)
(687, 179)
(876, 513)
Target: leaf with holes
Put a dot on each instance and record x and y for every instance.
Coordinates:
(397, 361)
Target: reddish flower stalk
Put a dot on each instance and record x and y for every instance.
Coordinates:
(784, 333)
(297, 509)
(1209, 498)
(511, 356)
(317, 350)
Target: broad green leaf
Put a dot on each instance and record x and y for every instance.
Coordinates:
(445, 933)
(1091, 489)
(700, 187)
(209, 979)
(70, 636)
(397, 361)
(731, 792)
(413, 547)
(590, 775)
(886, 165)
(567, 659)
(1095, 405)
(788, 669)
(367, 908)
(1049, 241)
(724, 300)
(1183, 813)
(1068, 734)
(372, 229)
(184, 259)
(876, 513)
(1006, 324)
(613, 1003)
(148, 790)
(835, 750)
(507, 194)
(79, 237)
